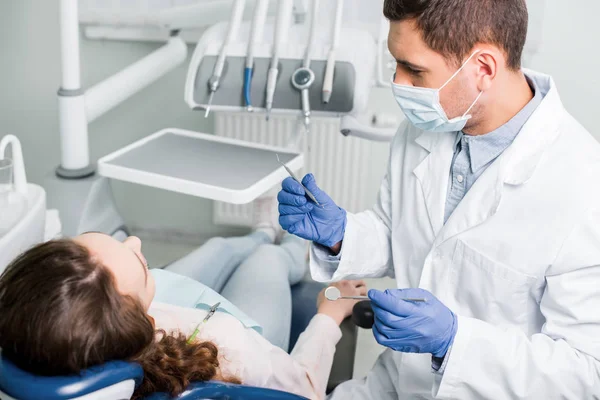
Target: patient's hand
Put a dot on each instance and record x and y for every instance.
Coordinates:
(340, 309)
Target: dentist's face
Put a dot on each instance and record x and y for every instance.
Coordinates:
(126, 262)
(418, 65)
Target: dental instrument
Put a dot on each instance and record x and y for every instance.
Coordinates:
(308, 193)
(302, 80)
(215, 81)
(211, 312)
(260, 15)
(284, 16)
(329, 72)
(332, 293)
(304, 77)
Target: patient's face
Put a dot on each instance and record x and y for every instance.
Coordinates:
(126, 262)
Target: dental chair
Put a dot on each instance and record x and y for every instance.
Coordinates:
(117, 380)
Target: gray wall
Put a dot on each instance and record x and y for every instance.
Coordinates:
(30, 76)
(569, 52)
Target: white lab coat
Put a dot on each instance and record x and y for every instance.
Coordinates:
(518, 262)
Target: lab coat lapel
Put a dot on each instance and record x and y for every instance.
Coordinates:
(514, 167)
(433, 173)
(479, 204)
(540, 131)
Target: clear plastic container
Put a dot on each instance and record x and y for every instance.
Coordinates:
(12, 204)
(6, 176)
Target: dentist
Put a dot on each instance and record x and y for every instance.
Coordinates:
(490, 209)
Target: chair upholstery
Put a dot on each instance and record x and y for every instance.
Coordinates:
(25, 386)
(228, 391)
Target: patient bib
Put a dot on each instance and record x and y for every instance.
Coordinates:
(179, 290)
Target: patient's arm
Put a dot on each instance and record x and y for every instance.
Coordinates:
(306, 371)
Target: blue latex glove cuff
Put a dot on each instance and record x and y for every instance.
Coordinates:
(450, 335)
(413, 327)
(338, 234)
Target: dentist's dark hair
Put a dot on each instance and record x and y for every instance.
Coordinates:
(453, 27)
(61, 313)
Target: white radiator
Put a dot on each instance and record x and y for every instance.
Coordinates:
(347, 168)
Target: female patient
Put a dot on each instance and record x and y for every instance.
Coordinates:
(68, 305)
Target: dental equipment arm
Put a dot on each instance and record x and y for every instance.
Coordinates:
(114, 90)
(260, 15)
(384, 28)
(350, 126)
(234, 24)
(78, 108)
(284, 15)
(329, 72)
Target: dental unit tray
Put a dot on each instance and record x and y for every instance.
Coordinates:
(354, 72)
(201, 165)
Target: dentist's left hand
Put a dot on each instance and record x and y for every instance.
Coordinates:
(409, 327)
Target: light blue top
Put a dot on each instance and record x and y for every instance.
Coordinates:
(474, 154)
(179, 290)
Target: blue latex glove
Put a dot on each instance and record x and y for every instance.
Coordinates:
(301, 217)
(411, 327)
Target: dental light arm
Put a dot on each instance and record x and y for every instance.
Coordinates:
(106, 95)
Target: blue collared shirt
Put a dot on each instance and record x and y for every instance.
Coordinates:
(474, 154)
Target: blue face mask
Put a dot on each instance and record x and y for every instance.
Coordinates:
(423, 109)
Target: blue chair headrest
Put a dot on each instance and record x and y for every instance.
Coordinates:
(25, 386)
(229, 391)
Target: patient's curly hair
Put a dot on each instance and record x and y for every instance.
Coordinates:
(61, 313)
(172, 363)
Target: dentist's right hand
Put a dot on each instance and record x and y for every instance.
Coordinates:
(299, 216)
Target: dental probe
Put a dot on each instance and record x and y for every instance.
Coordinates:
(308, 192)
(333, 293)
